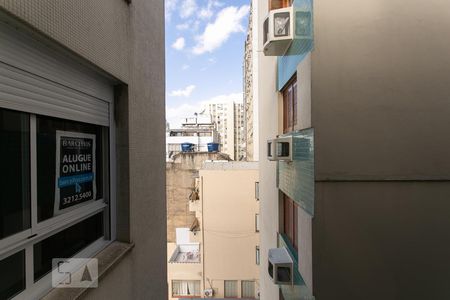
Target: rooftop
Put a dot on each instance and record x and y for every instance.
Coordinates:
(186, 253)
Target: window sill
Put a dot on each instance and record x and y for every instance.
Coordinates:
(108, 258)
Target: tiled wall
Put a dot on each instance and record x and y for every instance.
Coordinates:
(96, 30)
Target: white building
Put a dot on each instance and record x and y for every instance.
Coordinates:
(198, 131)
(229, 120)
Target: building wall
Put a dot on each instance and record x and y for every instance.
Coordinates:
(127, 43)
(182, 271)
(181, 175)
(72, 24)
(229, 208)
(380, 78)
(268, 128)
(228, 118)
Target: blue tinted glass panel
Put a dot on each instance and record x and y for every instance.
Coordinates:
(296, 178)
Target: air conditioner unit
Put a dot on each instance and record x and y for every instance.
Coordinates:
(280, 149)
(281, 266)
(284, 148)
(278, 31)
(208, 293)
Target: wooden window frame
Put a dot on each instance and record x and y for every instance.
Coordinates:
(290, 105)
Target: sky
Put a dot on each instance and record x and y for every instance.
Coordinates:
(204, 54)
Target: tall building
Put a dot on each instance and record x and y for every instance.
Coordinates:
(358, 199)
(251, 92)
(82, 149)
(228, 117)
(217, 256)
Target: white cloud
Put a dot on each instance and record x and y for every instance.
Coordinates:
(208, 11)
(175, 114)
(183, 26)
(188, 7)
(170, 6)
(186, 92)
(185, 67)
(179, 43)
(228, 21)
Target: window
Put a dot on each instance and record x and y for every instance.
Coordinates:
(53, 195)
(15, 215)
(257, 255)
(290, 217)
(257, 190)
(290, 105)
(189, 288)
(231, 288)
(276, 4)
(248, 289)
(257, 222)
(12, 273)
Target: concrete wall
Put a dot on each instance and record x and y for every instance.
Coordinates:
(181, 174)
(380, 90)
(96, 30)
(381, 240)
(126, 41)
(230, 239)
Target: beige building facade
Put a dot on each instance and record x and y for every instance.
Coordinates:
(227, 239)
(91, 72)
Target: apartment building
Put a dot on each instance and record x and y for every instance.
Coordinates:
(181, 174)
(229, 120)
(354, 171)
(218, 255)
(251, 91)
(82, 146)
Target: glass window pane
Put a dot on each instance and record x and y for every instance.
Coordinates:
(66, 243)
(15, 172)
(78, 164)
(12, 274)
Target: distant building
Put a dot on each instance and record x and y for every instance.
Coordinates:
(198, 131)
(251, 93)
(229, 120)
(217, 256)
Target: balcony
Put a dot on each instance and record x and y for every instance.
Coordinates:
(186, 253)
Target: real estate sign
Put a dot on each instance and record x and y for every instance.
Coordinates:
(75, 169)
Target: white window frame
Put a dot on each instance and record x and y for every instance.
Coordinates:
(38, 231)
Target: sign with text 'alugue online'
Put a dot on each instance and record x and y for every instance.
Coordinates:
(75, 169)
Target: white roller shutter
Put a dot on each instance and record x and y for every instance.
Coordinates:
(41, 79)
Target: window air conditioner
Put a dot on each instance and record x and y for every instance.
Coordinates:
(280, 149)
(278, 31)
(281, 266)
(283, 148)
(208, 292)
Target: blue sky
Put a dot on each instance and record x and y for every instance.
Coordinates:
(204, 53)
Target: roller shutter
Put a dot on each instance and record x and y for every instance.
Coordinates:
(42, 79)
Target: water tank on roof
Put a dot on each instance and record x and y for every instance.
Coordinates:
(187, 147)
(213, 147)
